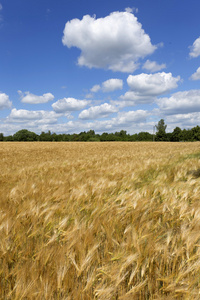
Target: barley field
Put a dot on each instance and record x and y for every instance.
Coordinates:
(81, 221)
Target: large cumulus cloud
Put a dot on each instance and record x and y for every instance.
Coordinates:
(115, 42)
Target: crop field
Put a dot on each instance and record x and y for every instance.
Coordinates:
(81, 221)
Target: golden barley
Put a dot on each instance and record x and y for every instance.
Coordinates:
(99, 221)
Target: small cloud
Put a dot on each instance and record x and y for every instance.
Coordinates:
(153, 66)
(131, 9)
(109, 85)
(100, 111)
(20, 93)
(39, 117)
(1, 17)
(27, 97)
(112, 85)
(4, 101)
(69, 104)
(160, 45)
(95, 88)
(89, 96)
(196, 75)
(132, 98)
(195, 48)
(23, 114)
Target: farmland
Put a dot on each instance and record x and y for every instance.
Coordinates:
(99, 220)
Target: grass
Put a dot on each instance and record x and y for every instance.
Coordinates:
(99, 221)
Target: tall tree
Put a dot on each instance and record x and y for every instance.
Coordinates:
(161, 131)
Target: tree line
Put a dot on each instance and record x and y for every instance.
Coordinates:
(160, 134)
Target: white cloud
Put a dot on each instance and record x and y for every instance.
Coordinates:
(34, 99)
(24, 115)
(69, 104)
(132, 9)
(4, 101)
(195, 48)
(132, 116)
(115, 42)
(152, 84)
(123, 102)
(196, 75)
(153, 66)
(186, 121)
(135, 98)
(89, 95)
(109, 85)
(124, 120)
(100, 111)
(112, 84)
(1, 17)
(180, 103)
(95, 88)
(144, 88)
(36, 121)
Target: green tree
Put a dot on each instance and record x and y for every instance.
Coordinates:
(187, 134)
(176, 135)
(8, 138)
(25, 135)
(104, 137)
(144, 136)
(196, 133)
(161, 131)
(46, 136)
(1, 137)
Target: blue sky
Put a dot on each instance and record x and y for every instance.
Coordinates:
(71, 66)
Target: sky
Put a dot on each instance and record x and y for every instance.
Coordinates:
(71, 65)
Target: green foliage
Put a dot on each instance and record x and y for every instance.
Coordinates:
(8, 138)
(144, 136)
(46, 137)
(176, 135)
(1, 137)
(25, 135)
(161, 131)
(196, 133)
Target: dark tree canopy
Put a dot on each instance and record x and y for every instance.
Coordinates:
(25, 135)
(176, 135)
(161, 131)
